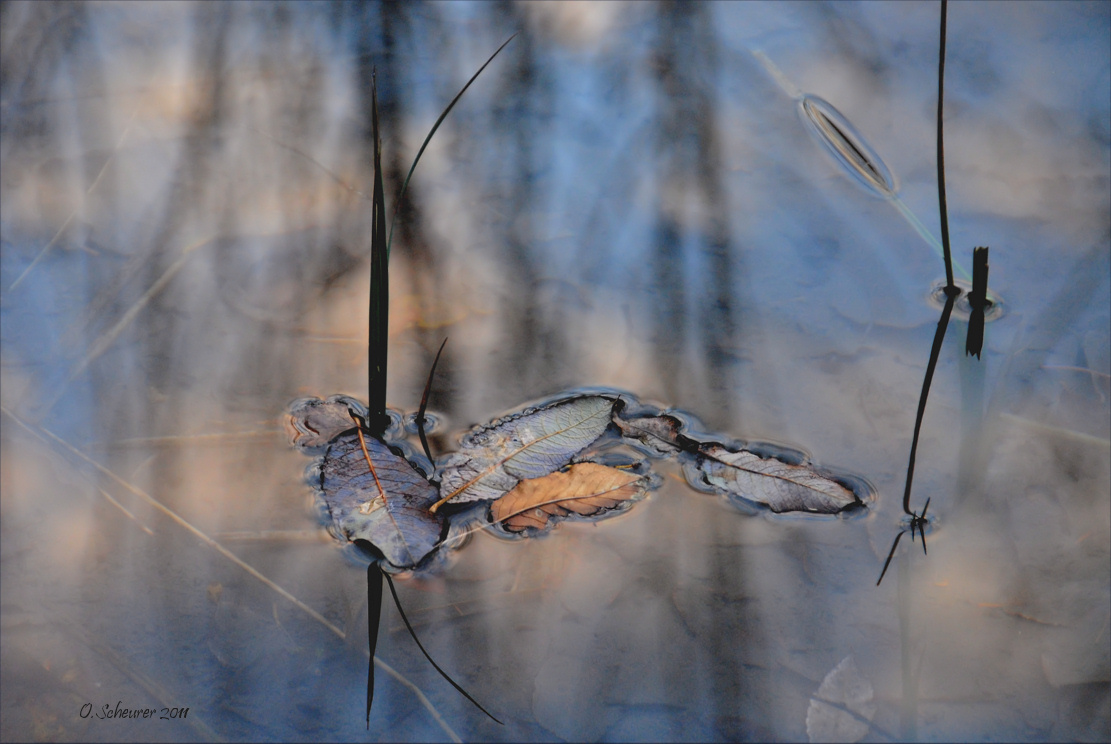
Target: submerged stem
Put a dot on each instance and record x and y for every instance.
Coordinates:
(935, 352)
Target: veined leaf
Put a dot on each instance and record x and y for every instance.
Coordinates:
(586, 489)
(387, 506)
(530, 444)
(781, 486)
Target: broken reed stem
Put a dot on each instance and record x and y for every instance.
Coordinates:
(978, 300)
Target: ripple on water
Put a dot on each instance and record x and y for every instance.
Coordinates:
(962, 309)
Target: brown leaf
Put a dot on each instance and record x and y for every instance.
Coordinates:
(586, 489)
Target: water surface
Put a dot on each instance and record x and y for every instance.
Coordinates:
(626, 198)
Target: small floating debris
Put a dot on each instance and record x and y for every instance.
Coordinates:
(830, 127)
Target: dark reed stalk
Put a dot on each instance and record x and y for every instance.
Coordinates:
(374, 614)
(376, 419)
(935, 352)
(951, 291)
(379, 318)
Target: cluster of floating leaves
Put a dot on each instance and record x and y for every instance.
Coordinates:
(522, 474)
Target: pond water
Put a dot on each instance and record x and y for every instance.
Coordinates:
(629, 197)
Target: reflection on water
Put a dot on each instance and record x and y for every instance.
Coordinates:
(625, 198)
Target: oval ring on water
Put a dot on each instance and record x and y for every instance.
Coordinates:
(847, 146)
(962, 309)
(432, 423)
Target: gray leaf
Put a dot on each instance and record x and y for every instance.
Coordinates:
(530, 444)
(781, 486)
(392, 511)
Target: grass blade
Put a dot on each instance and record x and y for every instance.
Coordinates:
(424, 403)
(443, 674)
(978, 299)
(413, 167)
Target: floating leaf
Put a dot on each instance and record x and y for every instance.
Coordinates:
(387, 505)
(660, 435)
(530, 444)
(586, 488)
(316, 422)
(842, 708)
(781, 486)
